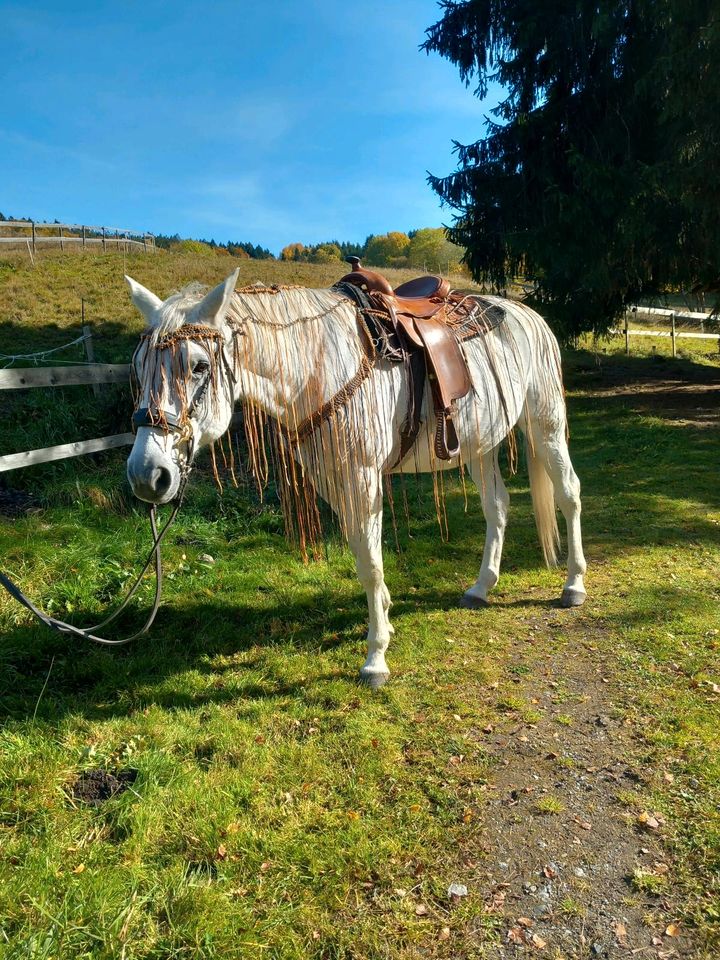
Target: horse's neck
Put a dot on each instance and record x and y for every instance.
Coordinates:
(290, 366)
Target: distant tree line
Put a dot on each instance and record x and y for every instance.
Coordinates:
(425, 249)
(244, 250)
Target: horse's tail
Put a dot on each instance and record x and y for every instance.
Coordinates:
(543, 500)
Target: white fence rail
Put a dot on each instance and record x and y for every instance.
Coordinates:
(673, 333)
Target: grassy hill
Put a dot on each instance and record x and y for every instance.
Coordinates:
(40, 303)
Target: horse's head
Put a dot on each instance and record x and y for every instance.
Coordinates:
(184, 377)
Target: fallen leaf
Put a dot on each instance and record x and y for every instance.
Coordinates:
(538, 942)
(421, 910)
(232, 828)
(353, 815)
(550, 873)
(621, 933)
(264, 866)
(524, 922)
(79, 868)
(516, 935)
(583, 824)
(497, 903)
(489, 728)
(672, 930)
(221, 852)
(444, 934)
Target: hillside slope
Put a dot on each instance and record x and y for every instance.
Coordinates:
(40, 304)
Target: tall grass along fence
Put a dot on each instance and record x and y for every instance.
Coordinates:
(36, 377)
(677, 320)
(31, 234)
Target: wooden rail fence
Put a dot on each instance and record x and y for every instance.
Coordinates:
(89, 374)
(33, 233)
(673, 332)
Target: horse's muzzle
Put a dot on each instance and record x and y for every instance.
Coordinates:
(154, 486)
(152, 472)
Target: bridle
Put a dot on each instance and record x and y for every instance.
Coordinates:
(168, 421)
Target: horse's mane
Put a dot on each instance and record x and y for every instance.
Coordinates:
(278, 306)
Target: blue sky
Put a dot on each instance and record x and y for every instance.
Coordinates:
(272, 122)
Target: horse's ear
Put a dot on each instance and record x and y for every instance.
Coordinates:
(146, 302)
(213, 307)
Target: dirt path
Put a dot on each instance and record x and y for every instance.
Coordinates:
(563, 842)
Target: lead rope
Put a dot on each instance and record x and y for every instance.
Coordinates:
(87, 633)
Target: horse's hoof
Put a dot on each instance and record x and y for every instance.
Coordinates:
(470, 602)
(572, 598)
(374, 680)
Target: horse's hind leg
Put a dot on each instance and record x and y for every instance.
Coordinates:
(495, 502)
(549, 446)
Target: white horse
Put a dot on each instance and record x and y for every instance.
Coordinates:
(293, 353)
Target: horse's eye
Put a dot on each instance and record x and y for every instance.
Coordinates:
(200, 368)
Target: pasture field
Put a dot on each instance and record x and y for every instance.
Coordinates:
(562, 766)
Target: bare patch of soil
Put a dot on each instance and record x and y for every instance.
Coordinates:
(574, 864)
(94, 787)
(675, 390)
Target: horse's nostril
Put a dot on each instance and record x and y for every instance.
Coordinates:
(161, 480)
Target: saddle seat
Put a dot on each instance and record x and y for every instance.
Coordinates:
(421, 297)
(418, 312)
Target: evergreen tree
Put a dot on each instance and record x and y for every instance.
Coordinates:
(599, 177)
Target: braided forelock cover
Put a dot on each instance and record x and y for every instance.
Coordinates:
(176, 309)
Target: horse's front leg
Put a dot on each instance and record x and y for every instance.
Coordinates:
(365, 541)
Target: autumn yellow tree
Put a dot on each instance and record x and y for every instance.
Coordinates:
(387, 250)
(326, 253)
(430, 249)
(293, 251)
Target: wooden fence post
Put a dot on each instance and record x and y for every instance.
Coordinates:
(83, 236)
(103, 239)
(60, 235)
(33, 235)
(89, 348)
(627, 335)
(672, 333)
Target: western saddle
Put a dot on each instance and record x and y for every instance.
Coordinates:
(421, 323)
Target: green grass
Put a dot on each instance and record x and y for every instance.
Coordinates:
(278, 806)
